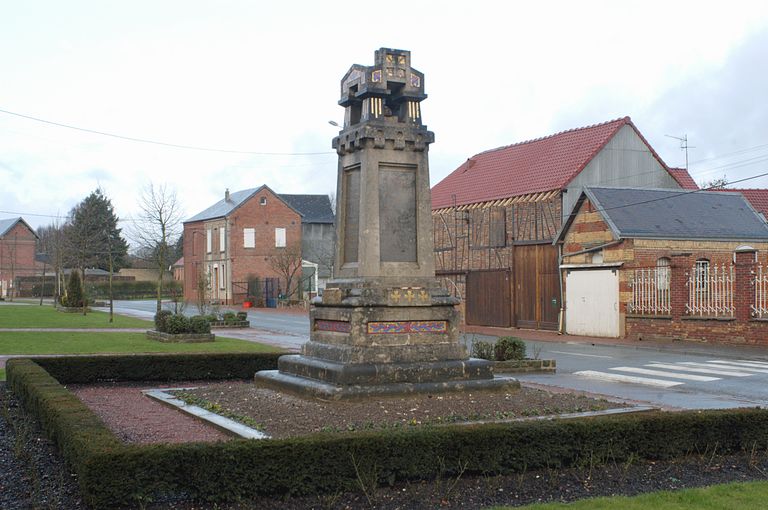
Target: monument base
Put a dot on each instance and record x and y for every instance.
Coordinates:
(372, 338)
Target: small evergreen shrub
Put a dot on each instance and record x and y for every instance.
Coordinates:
(199, 325)
(161, 320)
(483, 350)
(229, 316)
(74, 297)
(177, 324)
(211, 317)
(509, 348)
(242, 316)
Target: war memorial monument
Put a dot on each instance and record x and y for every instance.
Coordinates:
(383, 326)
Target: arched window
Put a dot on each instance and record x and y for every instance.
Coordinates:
(663, 273)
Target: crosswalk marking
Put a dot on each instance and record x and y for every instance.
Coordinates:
(753, 362)
(716, 370)
(659, 373)
(628, 378)
(744, 364)
(726, 365)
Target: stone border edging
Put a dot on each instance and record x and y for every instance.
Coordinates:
(220, 422)
(568, 416)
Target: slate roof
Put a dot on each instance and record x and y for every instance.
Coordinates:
(683, 178)
(534, 166)
(674, 214)
(9, 223)
(312, 208)
(757, 197)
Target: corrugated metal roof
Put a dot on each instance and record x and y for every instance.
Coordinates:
(670, 214)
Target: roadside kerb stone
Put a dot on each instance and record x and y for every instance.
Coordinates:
(182, 338)
(220, 422)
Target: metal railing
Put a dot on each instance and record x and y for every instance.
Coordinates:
(710, 291)
(650, 292)
(760, 282)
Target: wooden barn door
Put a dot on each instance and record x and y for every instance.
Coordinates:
(537, 287)
(488, 298)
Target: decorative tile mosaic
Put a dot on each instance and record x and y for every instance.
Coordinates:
(334, 326)
(400, 327)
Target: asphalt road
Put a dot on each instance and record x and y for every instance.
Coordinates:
(712, 377)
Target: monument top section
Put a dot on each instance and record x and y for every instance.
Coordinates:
(389, 91)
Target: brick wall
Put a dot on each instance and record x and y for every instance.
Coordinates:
(17, 256)
(240, 262)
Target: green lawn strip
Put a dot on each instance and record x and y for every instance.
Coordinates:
(2, 374)
(75, 342)
(735, 496)
(35, 316)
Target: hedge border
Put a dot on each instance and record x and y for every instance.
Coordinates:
(113, 473)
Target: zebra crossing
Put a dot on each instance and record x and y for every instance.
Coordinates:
(668, 375)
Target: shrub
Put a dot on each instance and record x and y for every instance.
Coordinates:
(177, 324)
(242, 316)
(483, 350)
(161, 320)
(229, 316)
(210, 317)
(198, 324)
(509, 348)
(74, 297)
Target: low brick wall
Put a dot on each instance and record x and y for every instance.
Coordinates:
(230, 324)
(524, 365)
(715, 330)
(184, 338)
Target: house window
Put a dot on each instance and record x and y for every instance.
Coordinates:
(262, 200)
(280, 237)
(223, 277)
(663, 274)
(222, 239)
(208, 240)
(249, 238)
(701, 274)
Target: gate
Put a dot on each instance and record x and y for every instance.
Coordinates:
(488, 298)
(537, 286)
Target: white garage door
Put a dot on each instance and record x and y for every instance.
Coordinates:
(592, 302)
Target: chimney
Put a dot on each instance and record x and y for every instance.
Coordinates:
(226, 195)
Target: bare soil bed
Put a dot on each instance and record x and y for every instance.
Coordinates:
(282, 415)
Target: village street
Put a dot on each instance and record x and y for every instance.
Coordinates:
(674, 375)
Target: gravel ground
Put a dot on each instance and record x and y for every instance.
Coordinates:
(32, 475)
(282, 415)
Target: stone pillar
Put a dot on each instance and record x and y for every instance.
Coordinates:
(384, 325)
(745, 258)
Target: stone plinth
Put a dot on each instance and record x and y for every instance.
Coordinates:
(372, 337)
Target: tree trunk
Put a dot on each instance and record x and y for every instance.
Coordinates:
(111, 298)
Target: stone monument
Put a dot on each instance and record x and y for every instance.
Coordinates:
(383, 325)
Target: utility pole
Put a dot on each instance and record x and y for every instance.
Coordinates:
(683, 146)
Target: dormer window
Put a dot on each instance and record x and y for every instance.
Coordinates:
(262, 200)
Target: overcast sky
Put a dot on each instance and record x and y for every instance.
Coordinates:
(264, 77)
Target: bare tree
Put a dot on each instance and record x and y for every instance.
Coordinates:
(51, 244)
(715, 184)
(287, 263)
(156, 229)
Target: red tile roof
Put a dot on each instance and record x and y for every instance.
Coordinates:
(683, 178)
(534, 166)
(757, 197)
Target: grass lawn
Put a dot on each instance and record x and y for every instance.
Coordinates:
(735, 496)
(35, 316)
(2, 374)
(40, 342)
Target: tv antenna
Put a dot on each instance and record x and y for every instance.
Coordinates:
(683, 146)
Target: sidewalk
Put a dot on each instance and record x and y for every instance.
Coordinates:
(678, 346)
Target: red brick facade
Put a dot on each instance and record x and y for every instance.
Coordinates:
(233, 263)
(17, 256)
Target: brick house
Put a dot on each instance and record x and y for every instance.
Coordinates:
(642, 263)
(496, 215)
(241, 237)
(17, 254)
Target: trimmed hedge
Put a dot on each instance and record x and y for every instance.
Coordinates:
(111, 474)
